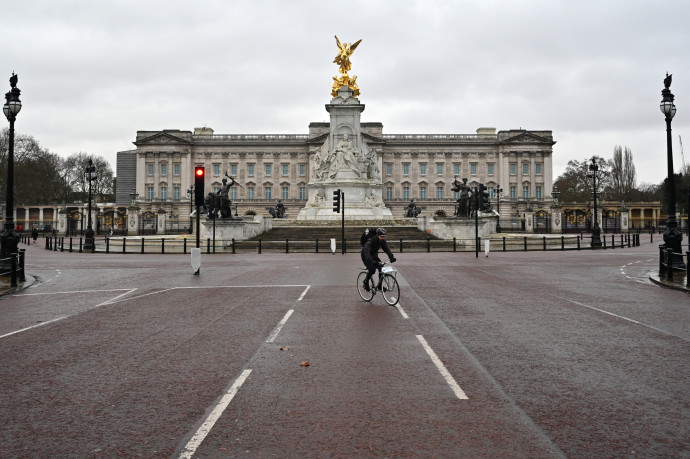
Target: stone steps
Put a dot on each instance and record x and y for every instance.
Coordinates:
(324, 233)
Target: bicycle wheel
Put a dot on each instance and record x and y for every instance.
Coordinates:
(390, 289)
(366, 296)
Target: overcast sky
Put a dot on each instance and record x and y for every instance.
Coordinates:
(93, 73)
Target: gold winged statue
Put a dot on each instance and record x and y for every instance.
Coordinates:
(345, 50)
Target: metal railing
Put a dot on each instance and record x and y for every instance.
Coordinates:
(184, 245)
(14, 267)
(671, 263)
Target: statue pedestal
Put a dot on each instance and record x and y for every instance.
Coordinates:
(227, 229)
(461, 228)
(362, 202)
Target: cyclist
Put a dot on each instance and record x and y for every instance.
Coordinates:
(370, 254)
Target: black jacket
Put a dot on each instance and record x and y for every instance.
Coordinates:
(370, 251)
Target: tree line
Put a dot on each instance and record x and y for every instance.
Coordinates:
(42, 177)
(617, 181)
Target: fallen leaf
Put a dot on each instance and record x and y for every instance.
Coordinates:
(284, 348)
(305, 363)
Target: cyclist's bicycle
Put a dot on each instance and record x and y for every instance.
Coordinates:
(387, 285)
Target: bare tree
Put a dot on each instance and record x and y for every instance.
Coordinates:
(623, 175)
(75, 167)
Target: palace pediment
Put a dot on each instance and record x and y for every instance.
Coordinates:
(527, 137)
(162, 138)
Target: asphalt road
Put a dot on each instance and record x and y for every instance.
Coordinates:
(538, 354)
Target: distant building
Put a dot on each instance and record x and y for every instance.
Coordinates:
(278, 166)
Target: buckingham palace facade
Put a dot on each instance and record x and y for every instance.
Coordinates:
(158, 174)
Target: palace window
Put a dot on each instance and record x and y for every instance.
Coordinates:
(268, 169)
(513, 168)
(406, 192)
(537, 168)
(149, 192)
(149, 169)
(302, 192)
(233, 169)
(176, 168)
(422, 192)
(538, 192)
(302, 169)
(176, 193)
(267, 192)
(250, 170)
(439, 169)
(250, 192)
(439, 192)
(422, 169)
(285, 192)
(525, 169)
(491, 192)
(525, 191)
(513, 192)
(389, 169)
(389, 192)
(456, 169)
(286, 169)
(490, 168)
(164, 169)
(406, 169)
(233, 193)
(216, 169)
(164, 192)
(473, 169)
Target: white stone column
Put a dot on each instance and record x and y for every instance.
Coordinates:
(162, 214)
(625, 221)
(529, 221)
(556, 227)
(133, 220)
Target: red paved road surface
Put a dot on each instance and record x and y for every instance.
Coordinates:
(559, 354)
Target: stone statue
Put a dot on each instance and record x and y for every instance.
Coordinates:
(224, 199)
(463, 209)
(411, 211)
(278, 211)
(345, 155)
(369, 163)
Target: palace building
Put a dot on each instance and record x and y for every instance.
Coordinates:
(270, 167)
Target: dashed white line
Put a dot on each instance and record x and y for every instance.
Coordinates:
(276, 330)
(455, 387)
(210, 421)
(401, 311)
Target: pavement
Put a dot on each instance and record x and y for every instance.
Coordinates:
(518, 354)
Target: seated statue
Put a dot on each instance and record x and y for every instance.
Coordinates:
(411, 211)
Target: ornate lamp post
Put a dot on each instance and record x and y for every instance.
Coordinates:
(9, 238)
(596, 230)
(90, 172)
(672, 236)
(499, 192)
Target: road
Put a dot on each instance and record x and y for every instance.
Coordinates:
(537, 354)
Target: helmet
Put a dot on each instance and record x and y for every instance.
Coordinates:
(380, 231)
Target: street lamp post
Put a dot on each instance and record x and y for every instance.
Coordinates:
(499, 192)
(90, 172)
(672, 236)
(9, 239)
(596, 230)
(190, 194)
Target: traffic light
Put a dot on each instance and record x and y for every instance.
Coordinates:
(336, 201)
(199, 174)
(484, 200)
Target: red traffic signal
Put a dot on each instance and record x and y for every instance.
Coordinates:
(199, 174)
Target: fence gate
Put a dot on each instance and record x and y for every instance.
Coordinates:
(542, 221)
(610, 220)
(575, 221)
(148, 223)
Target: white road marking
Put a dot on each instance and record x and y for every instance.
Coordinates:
(276, 330)
(33, 326)
(304, 293)
(455, 387)
(401, 311)
(198, 437)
